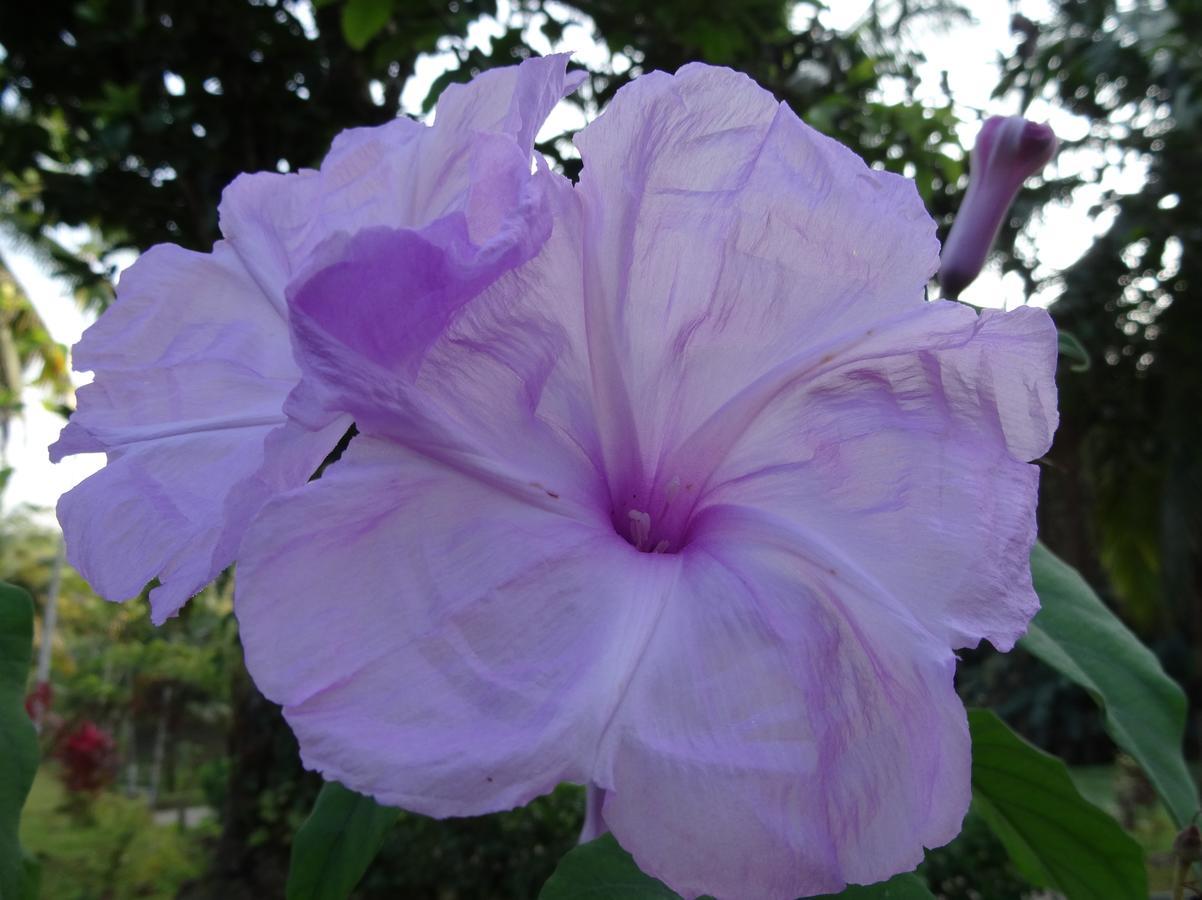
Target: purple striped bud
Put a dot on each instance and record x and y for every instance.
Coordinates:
(1009, 150)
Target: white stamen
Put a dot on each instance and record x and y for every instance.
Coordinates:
(640, 528)
(671, 490)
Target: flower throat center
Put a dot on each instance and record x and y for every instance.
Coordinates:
(656, 521)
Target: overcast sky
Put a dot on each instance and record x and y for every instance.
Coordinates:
(968, 53)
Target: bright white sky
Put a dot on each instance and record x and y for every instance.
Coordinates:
(968, 53)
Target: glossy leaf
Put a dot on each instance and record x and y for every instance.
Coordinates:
(1055, 837)
(336, 844)
(1145, 710)
(602, 869)
(18, 741)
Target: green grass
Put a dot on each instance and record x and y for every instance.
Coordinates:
(114, 851)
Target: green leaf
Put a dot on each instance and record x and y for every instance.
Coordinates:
(1055, 837)
(1145, 711)
(362, 20)
(18, 740)
(900, 887)
(602, 869)
(31, 867)
(1073, 350)
(336, 844)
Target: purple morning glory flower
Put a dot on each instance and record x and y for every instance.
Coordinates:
(194, 361)
(1009, 150)
(694, 507)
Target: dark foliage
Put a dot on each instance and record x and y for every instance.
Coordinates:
(1123, 491)
(131, 117)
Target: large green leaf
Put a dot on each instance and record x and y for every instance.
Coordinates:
(1145, 710)
(362, 20)
(336, 844)
(602, 869)
(900, 887)
(18, 741)
(1055, 837)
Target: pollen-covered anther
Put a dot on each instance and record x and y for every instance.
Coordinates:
(640, 528)
(640, 534)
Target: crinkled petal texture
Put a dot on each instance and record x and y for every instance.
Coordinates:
(194, 361)
(192, 368)
(790, 728)
(480, 632)
(473, 163)
(722, 353)
(725, 236)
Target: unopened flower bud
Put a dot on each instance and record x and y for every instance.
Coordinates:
(1008, 151)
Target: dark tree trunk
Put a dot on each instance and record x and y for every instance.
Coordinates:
(268, 795)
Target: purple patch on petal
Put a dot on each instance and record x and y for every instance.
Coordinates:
(195, 363)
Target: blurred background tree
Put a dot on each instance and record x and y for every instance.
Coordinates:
(28, 355)
(1125, 490)
(122, 120)
(130, 117)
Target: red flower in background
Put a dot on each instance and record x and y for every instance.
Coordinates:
(87, 756)
(39, 701)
